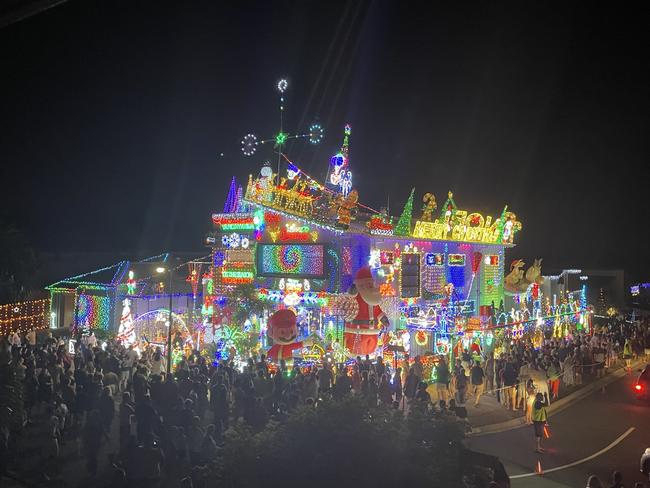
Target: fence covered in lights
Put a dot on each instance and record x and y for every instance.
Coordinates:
(24, 316)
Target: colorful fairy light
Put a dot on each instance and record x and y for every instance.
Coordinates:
(291, 259)
(24, 316)
(93, 311)
(456, 260)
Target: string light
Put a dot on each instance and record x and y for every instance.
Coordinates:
(249, 144)
(23, 316)
(456, 260)
(93, 311)
(315, 133)
(291, 259)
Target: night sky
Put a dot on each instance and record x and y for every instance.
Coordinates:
(115, 116)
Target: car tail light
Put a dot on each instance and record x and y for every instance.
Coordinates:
(638, 387)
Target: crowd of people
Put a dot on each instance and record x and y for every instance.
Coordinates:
(106, 400)
(515, 376)
(110, 400)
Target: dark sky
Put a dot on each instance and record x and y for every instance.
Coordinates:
(114, 115)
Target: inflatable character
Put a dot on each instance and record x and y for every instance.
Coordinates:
(534, 273)
(283, 330)
(362, 332)
(516, 275)
(346, 210)
(429, 206)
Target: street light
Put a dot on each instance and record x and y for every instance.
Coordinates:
(161, 270)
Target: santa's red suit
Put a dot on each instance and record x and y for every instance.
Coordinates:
(362, 333)
(282, 351)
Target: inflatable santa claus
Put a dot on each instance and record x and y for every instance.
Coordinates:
(362, 332)
(283, 330)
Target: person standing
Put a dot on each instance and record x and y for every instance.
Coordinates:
(442, 379)
(477, 376)
(418, 369)
(627, 355)
(397, 385)
(539, 420)
(461, 386)
(31, 337)
(510, 385)
(554, 373)
(325, 379)
(411, 385)
(489, 373)
(158, 363)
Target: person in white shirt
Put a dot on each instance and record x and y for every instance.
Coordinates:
(157, 363)
(31, 337)
(92, 340)
(128, 362)
(15, 339)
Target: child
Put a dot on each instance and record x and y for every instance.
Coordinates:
(530, 400)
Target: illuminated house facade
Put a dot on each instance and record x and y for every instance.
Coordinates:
(302, 243)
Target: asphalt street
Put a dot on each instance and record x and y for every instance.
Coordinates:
(598, 427)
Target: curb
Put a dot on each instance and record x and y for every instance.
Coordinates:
(556, 407)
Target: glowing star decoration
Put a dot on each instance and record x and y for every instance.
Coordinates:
(131, 284)
(249, 144)
(280, 139)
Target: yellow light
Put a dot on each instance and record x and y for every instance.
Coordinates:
(160, 269)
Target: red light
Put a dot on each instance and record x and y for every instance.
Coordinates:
(638, 387)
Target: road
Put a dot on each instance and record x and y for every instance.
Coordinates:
(613, 423)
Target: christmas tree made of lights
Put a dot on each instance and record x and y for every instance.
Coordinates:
(403, 227)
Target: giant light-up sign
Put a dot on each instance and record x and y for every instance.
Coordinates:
(291, 260)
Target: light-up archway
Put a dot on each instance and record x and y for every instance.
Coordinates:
(152, 326)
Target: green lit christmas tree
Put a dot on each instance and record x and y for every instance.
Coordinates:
(403, 227)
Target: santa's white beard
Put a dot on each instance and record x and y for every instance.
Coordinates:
(370, 295)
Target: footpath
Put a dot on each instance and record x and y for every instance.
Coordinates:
(490, 416)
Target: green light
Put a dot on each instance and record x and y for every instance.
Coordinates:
(280, 139)
(237, 274)
(238, 226)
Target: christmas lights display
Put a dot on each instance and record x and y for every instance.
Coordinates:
(93, 311)
(340, 176)
(126, 331)
(23, 316)
(291, 259)
(357, 279)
